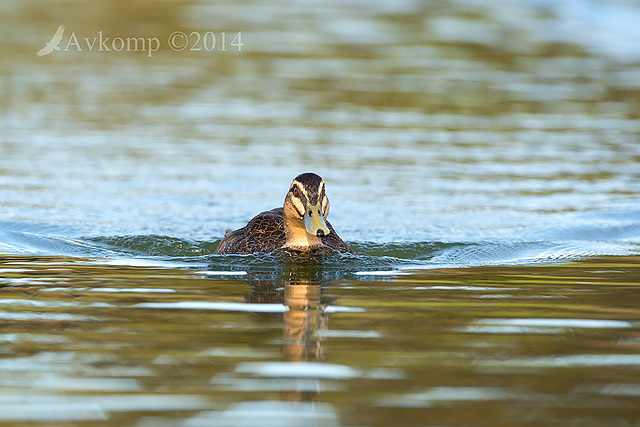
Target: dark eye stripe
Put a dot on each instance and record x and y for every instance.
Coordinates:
(299, 192)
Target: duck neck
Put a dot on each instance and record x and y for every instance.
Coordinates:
(298, 239)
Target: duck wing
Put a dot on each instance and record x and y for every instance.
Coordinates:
(264, 233)
(335, 242)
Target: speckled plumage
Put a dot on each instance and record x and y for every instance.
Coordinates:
(267, 231)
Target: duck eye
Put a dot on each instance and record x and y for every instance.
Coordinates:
(296, 191)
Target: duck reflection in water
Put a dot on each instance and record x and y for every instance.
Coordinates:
(300, 290)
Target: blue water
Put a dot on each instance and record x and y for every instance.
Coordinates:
(507, 136)
(421, 202)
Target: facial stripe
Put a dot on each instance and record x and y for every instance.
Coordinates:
(325, 205)
(301, 193)
(298, 206)
(311, 195)
(302, 189)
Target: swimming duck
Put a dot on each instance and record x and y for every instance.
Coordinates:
(300, 225)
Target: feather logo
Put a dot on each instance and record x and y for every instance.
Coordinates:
(53, 43)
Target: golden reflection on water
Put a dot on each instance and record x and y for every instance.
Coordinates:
(435, 345)
(303, 322)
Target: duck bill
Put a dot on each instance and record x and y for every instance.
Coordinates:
(314, 221)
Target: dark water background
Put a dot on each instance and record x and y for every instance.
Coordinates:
(481, 159)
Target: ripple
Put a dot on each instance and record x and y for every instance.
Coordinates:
(298, 369)
(439, 395)
(34, 409)
(45, 317)
(268, 414)
(539, 326)
(333, 333)
(308, 385)
(48, 408)
(60, 383)
(558, 323)
(573, 361)
(223, 273)
(133, 290)
(223, 306)
(616, 236)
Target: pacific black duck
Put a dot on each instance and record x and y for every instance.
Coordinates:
(300, 225)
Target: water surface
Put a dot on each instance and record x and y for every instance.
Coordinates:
(524, 345)
(481, 159)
